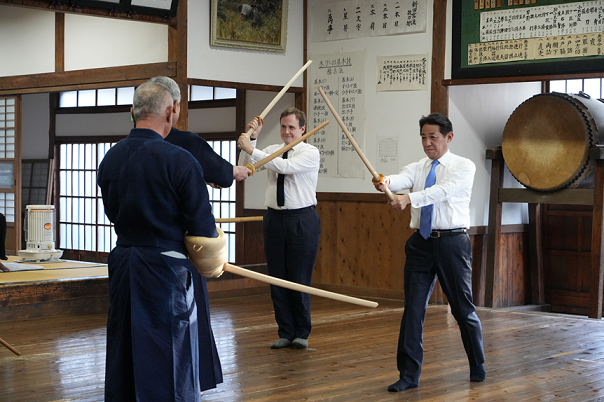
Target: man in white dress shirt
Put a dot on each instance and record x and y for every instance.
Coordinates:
(440, 190)
(291, 224)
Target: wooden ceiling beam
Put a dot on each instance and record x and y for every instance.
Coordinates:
(242, 85)
(86, 10)
(81, 79)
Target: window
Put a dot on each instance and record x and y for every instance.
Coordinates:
(124, 96)
(83, 225)
(8, 113)
(34, 182)
(224, 200)
(201, 93)
(97, 97)
(590, 86)
(82, 222)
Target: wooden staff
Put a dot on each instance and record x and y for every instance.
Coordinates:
(279, 95)
(9, 347)
(242, 219)
(376, 176)
(285, 148)
(297, 287)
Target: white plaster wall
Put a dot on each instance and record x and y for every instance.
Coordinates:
(240, 65)
(70, 125)
(93, 42)
(479, 114)
(35, 124)
(387, 113)
(27, 44)
(256, 101)
(215, 120)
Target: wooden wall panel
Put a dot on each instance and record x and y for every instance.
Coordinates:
(479, 247)
(567, 257)
(362, 251)
(513, 284)
(253, 240)
(9, 246)
(362, 242)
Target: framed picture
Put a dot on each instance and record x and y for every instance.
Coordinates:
(249, 24)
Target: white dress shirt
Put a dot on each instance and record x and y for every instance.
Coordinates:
(301, 170)
(450, 195)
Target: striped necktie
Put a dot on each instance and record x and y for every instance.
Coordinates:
(425, 221)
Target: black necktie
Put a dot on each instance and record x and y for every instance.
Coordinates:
(280, 189)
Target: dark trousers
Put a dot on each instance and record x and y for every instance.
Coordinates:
(291, 242)
(449, 258)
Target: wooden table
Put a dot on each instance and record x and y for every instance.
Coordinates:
(59, 270)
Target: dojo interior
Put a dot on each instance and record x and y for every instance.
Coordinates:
(537, 272)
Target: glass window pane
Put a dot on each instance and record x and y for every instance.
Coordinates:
(7, 175)
(593, 87)
(68, 99)
(78, 156)
(231, 247)
(87, 98)
(200, 93)
(225, 93)
(89, 238)
(574, 86)
(557, 86)
(106, 97)
(125, 95)
(90, 162)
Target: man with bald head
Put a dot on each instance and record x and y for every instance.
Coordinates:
(151, 194)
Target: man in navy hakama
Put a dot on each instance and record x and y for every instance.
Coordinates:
(151, 193)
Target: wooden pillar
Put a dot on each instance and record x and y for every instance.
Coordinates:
(597, 252)
(536, 255)
(494, 230)
(59, 42)
(177, 51)
(240, 111)
(439, 96)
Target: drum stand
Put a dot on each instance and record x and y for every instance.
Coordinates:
(499, 195)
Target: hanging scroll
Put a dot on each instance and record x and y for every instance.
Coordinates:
(341, 76)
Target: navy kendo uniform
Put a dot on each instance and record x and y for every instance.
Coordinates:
(151, 192)
(218, 171)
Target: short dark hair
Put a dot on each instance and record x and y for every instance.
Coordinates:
(298, 113)
(437, 119)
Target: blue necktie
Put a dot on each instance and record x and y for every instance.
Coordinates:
(425, 221)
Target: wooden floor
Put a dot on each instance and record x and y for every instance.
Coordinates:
(530, 356)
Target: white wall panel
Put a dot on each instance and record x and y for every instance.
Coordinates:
(27, 44)
(93, 42)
